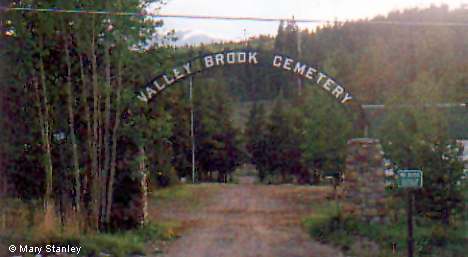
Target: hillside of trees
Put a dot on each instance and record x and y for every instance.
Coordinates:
(376, 59)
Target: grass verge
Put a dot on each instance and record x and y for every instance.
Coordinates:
(29, 225)
(358, 238)
(118, 244)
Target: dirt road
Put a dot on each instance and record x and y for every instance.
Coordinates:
(247, 220)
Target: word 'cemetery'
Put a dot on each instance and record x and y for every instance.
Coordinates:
(199, 64)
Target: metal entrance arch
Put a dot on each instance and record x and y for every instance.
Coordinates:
(255, 57)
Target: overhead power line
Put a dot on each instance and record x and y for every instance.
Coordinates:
(437, 105)
(222, 18)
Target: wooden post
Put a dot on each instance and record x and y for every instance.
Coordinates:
(299, 53)
(410, 223)
(409, 213)
(192, 131)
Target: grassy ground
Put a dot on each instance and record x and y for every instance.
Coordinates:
(27, 225)
(180, 198)
(358, 238)
(118, 244)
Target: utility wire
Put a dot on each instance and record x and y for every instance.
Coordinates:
(223, 18)
(437, 105)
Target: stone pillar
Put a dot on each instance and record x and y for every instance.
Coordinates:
(364, 180)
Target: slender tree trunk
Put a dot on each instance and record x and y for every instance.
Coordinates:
(110, 187)
(3, 178)
(3, 187)
(143, 201)
(95, 183)
(87, 115)
(47, 144)
(3, 196)
(106, 139)
(88, 188)
(71, 124)
(42, 106)
(99, 159)
(38, 103)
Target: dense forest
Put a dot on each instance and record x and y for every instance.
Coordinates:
(375, 60)
(72, 130)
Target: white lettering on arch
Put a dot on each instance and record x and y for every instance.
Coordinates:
(219, 59)
(177, 74)
(338, 91)
(169, 81)
(327, 85)
(310, 73)
(150, 92)
(287, 64)
(253, 57)
(321, 76)
(209, 61)
(187, 68)
(158, 86)
(277, 61)
(142, 97)
(231, 58)
(300, 68)
(346, 98)
(242, 57)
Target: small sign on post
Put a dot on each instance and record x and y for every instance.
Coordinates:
(410, 179)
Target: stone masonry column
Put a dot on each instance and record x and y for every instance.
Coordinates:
(364, 180)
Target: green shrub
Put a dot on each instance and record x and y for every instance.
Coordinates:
(324, 222)
(118, 245)
(439, 235)
(431, 238)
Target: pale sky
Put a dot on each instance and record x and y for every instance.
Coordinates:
(301, 9)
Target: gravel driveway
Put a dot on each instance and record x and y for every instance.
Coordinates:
(247, 220)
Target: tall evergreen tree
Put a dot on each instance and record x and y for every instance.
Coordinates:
(284, 137)
(417, 138)
(256, 139)
(218, 145)
(327, 128)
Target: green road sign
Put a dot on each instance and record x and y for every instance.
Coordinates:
(410, 179)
